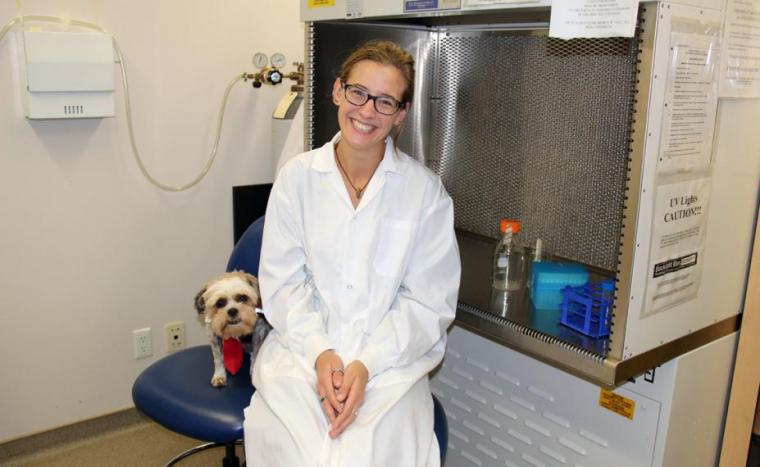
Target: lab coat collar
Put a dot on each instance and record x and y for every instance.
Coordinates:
(324, 161)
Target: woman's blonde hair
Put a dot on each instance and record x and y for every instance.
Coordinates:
(386, 53)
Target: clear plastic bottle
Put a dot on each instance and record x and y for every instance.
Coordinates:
(509, 258)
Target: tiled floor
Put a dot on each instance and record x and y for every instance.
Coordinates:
(136, 445)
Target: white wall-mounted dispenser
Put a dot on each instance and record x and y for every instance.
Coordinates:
(67, 74)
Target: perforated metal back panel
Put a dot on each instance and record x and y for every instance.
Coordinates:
(531, 128)
(517, 125)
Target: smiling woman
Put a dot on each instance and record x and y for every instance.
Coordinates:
(359, 275)
(363, 127)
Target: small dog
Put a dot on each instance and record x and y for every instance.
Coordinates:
(229, 304)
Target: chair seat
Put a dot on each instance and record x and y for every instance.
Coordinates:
(176, 392)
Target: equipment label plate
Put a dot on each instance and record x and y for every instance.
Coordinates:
(427, 5)
(617, 403)
(319, 3)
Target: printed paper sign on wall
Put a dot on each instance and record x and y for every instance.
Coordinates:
(678, 242)
(691, 103)
(593, 18)
(740, 68)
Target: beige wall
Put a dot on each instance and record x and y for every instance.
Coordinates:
(89, 250)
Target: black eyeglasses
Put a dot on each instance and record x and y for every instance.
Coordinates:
(355, 95)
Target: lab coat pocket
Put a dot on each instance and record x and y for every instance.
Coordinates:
(393, 246)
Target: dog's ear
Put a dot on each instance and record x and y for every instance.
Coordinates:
(251, 279)
(200, 303)
(254, 282)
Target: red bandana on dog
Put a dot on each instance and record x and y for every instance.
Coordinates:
(232, 350)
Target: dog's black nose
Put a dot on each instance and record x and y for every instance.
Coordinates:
(232, 312)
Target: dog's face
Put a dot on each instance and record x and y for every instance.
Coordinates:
(229, 304)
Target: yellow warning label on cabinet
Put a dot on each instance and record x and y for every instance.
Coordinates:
(319, 3)
(617, 403)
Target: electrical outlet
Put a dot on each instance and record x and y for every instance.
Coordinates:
(143, 343)
(175, 336)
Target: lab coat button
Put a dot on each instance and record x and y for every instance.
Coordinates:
(349, 286)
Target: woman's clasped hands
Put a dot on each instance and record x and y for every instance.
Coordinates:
(340, 389)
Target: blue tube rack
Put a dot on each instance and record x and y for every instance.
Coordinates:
(588, 308)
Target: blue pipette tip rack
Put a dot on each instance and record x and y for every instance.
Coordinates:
(550, 278)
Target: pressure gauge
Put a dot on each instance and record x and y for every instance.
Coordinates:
(260, 60)
(277, 60)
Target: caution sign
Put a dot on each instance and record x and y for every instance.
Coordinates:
(617, 403)
(676, 257)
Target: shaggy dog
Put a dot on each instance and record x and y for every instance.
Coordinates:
(229, 305)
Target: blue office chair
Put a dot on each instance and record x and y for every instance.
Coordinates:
(176, 393)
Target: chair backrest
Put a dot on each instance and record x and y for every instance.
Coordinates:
(245, 256)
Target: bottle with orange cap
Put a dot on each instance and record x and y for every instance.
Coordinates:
(509, 258)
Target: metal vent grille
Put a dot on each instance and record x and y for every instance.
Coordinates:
(530, 127)
(73, 109)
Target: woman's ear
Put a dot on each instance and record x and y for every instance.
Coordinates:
(336, 93)
(401, 114)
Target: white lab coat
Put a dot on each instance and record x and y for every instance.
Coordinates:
(377, 283)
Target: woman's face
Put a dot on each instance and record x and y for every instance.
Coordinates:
(362, 127)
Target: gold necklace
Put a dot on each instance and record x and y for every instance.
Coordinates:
(358, 191)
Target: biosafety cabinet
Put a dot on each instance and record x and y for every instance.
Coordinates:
(637, 157)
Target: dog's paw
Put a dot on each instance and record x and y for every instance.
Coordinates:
(219, 381)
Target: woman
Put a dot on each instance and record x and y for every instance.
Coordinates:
(359, 276)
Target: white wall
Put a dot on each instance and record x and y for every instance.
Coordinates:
(89, 250)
